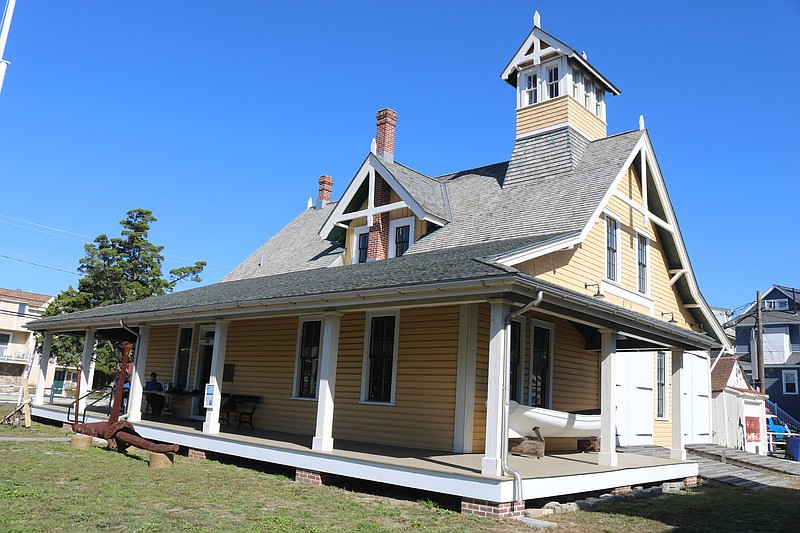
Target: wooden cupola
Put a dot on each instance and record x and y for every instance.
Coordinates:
(556, 86)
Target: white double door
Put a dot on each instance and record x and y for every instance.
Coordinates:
(635, 400)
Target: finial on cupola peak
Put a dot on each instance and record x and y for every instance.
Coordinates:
(537, 20)
(310, 203)
(583, 55)
(373, 147)
(641, 122)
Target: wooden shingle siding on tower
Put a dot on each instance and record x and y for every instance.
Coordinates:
(561, 110)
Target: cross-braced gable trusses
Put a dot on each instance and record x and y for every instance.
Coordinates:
(541, 44)
(425, 197)
(656, 207)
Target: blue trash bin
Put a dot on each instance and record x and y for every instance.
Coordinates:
(793, 448)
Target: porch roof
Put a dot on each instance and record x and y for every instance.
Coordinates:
(435, 276)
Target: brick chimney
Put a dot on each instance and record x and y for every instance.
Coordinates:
(387, 124)
(325, 188)
(378, 247)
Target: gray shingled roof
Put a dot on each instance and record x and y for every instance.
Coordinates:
(440, 266)
(769, 317)
(428, 193)
(463, 263)
(544, 156)
(296, 247)
(484, 209)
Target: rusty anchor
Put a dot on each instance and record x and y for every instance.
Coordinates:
(119, 434)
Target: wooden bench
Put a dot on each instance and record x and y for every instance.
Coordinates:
(238, 406)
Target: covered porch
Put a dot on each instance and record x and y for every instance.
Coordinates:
(443, 427)
(456, 474)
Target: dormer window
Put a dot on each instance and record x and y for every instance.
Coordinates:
(531, 89)
(552, 81)
(361, 244)
(401, 236)
(776, 305)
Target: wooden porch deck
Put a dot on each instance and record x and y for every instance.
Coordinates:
(450, 473)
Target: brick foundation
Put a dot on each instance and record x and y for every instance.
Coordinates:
(492, 510)
(690, 482)
(197, 454)
(308, 477)
(621, 490)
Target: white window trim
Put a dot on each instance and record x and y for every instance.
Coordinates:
(618, 273)
(173, 379)
(296, 380)
(534, 323)
(666, 387)
(357, 232)
(407, 221)
(641, 233)
(542, 82)
(365, 362)
(784, 373)
(201, 341)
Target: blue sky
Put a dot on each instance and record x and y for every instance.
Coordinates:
(220, 117)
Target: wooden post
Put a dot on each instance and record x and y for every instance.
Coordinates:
(760, 345)
(26, 404)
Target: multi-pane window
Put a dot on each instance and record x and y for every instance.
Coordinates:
(308, 361)
(531, 89)
(516, 350)
(661, 385)
(642, 263)
(380, 359)
(598, 103)
(587, 94)
(183, 359)
(362, 247)
(541, 344)
(552, 82)
(789, 381)
(402, 240)
(576, 83)
(779, 305)
(612, 248)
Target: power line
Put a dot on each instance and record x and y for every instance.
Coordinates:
(43, 226)
(38, 264)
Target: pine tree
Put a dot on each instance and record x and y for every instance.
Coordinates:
(116, 270)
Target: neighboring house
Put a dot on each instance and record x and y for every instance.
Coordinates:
(738, 409)
(385, 333)
(781, 344)
(17, 343)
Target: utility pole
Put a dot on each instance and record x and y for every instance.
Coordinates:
(760, 345)
(6, 25)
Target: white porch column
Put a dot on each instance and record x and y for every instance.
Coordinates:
(138, 378)
(211, 425)
(677, 451)
(491, 464)
(608, 415)
(323, 439)
(44, 361)
(87, 369)
(465, 378)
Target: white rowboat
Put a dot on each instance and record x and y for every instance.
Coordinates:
(522, 419)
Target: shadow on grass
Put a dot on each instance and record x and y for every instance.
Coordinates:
(717, 508)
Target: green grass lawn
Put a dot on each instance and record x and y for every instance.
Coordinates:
(48, 486)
